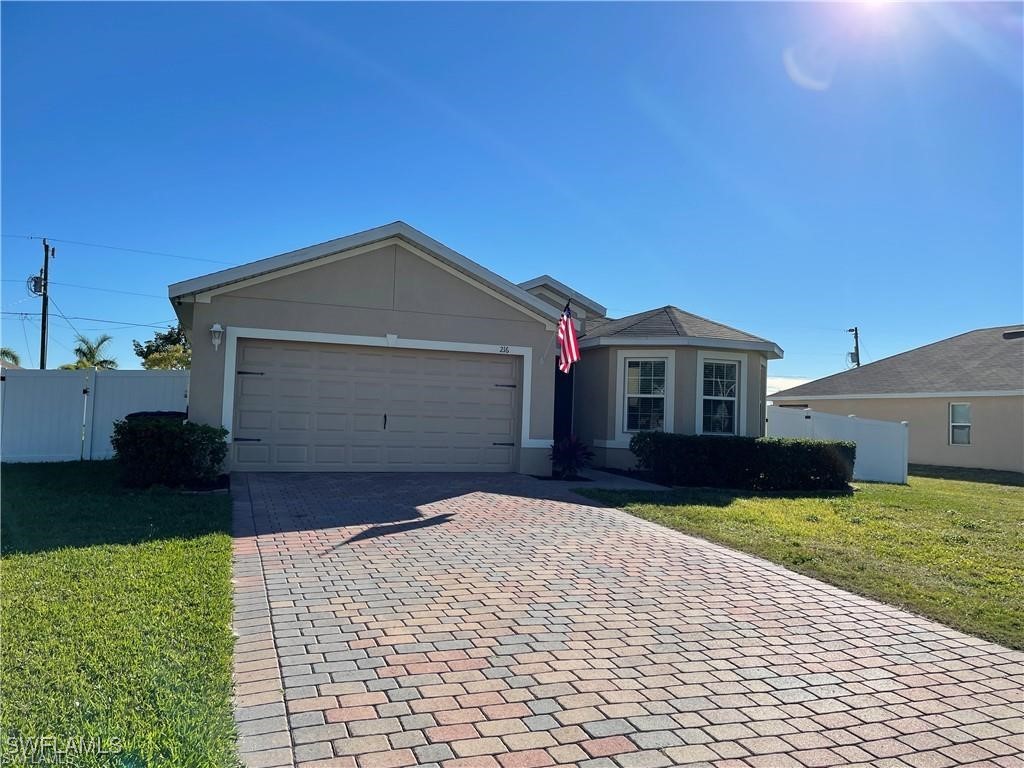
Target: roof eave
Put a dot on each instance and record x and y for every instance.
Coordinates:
(771, 350)
(895, 395)
(585, 301)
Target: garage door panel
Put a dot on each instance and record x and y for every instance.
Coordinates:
(444, 410)
(405, 393)
(367, 391)
(499, 428)
(368, 422)
(365, 455)
(252, 419)
(500, 397)
(296, 357)
(253, 386)
(331, 454)
(332, 422)
(497, 456)
(250, 454)
(399, 424)
(298, 421)
(331, 359)
(369, 362)
(331, 389)
(399, 364)
(257, 353)
(292, 387)
(291, 454)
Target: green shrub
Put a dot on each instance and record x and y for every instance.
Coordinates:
(751, 463)
(165, 451)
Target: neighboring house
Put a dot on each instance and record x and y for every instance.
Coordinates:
(963, 398)
(386, 350)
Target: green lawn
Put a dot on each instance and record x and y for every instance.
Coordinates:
(949, 549)
(114, 616)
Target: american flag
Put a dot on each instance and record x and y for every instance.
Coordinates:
(568, 346)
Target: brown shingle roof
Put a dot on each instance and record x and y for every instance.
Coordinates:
(665, 322)
(986, 360)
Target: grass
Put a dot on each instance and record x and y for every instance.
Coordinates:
(948, 549)
(114, 615)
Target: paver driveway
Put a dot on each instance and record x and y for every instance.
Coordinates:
(483, 621)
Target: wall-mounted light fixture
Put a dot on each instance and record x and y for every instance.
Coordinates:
(216, 334)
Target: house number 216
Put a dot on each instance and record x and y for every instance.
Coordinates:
(503, 349)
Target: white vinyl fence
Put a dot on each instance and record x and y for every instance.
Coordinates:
(69, 415)
(882, 446)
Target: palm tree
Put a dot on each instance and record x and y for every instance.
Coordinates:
(90, 354)
(8, 355)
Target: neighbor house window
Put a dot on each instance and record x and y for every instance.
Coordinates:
(720, 397)
(645, 395)
(959, 423)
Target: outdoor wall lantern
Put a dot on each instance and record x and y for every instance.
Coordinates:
(216, 334)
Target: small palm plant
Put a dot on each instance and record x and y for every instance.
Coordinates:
(569, 456)
(90, 354)
(8, 355)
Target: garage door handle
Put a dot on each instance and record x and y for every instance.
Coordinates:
(247, 440)
(249, 373)
(385, 421)
(506, 386)
(510, 445)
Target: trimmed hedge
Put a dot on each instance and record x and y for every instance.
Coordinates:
(749, 463)
(145, 415)
(167, 451)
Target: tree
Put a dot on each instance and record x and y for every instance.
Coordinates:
(8, 355)
(173, 358)
(90, 354)
(167, 350)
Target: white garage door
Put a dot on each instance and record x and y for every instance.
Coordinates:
(303, 406)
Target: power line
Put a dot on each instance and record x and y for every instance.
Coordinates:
(28, 347)
(56, 341)
(120, 248)
(110, 290)
(122, 323)
(94, 288)
(61, 313)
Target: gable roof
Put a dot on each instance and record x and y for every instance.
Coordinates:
(584, 301)
(395, 230)
(671, 325)
(987, 360)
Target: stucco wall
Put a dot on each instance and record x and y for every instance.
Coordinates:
(997, 428)
(386, 291)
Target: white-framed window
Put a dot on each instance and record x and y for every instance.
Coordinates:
(959, 423)
(644, 388)
(720, 397)
(640, 386)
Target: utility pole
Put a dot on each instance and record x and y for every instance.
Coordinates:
(855, 355)
(48, 253)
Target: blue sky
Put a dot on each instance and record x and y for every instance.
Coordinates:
(791, 170)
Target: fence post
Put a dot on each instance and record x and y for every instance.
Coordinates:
(88, 409)
(906, 449)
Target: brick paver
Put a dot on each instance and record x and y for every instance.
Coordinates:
(495, 621)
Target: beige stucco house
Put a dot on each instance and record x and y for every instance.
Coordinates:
(963, 398)
(388, 351)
